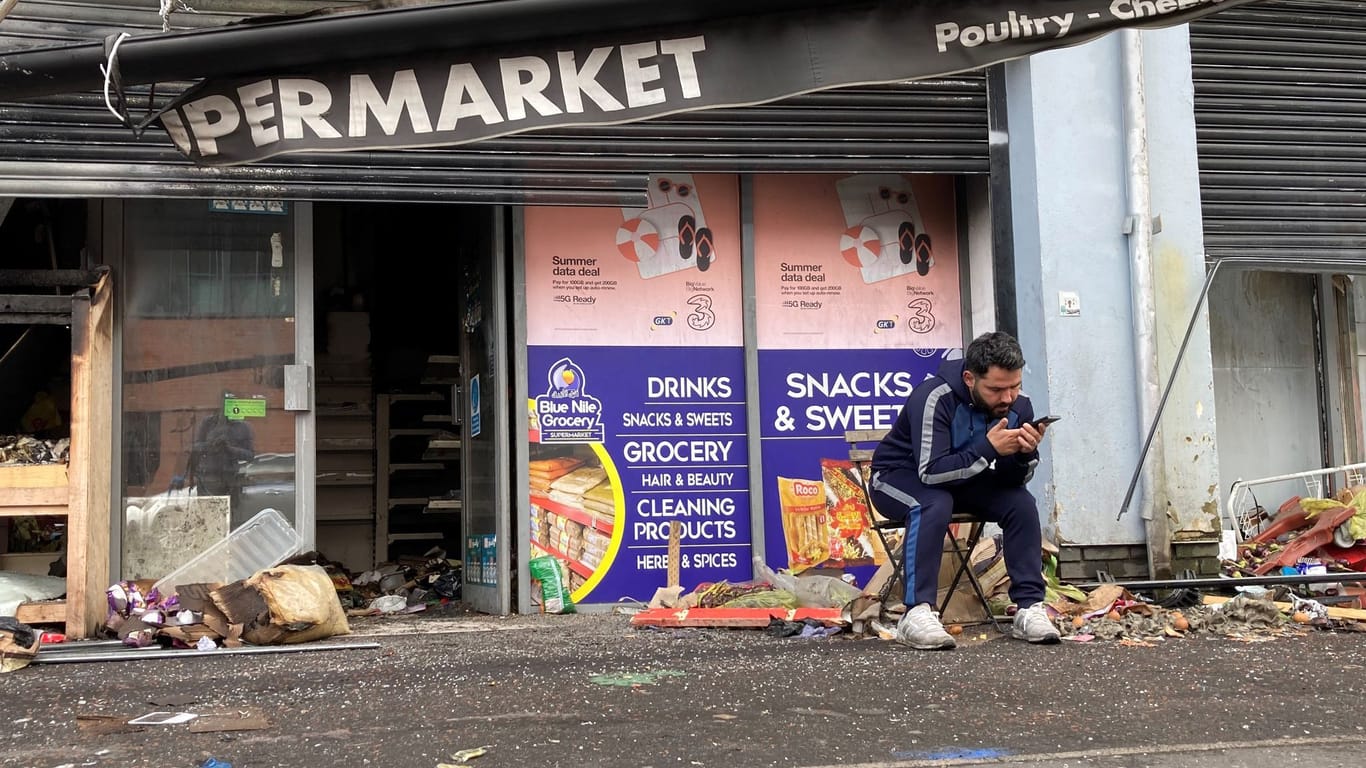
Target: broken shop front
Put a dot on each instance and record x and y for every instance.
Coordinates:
(274, 358)
(257, 357)
(560, 343)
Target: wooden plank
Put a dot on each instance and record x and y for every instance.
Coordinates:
(865, 435)
(1354, 614)
(675, 531)
(24, 510)
(34, 476)
(47, 612)
(346, 443)
(35, 563)
(35, 304)
(34, 497)
(50, 278)
(33, 318)
(92, 428)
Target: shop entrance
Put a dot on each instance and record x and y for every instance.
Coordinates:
(407, 358)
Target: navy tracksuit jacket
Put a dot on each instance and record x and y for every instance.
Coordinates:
(937, 458)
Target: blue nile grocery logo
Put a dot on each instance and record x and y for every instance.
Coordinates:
(566, 412)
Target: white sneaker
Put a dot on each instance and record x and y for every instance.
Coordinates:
(1033, 624)
(920, 629)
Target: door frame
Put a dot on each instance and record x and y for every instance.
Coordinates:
(112, 252)
(305, 422)
(496, 598)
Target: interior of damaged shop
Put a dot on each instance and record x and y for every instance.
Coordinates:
(217, 468)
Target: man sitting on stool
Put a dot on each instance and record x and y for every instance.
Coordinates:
(966, 438)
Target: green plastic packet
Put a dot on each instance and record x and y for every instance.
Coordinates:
(554, 581)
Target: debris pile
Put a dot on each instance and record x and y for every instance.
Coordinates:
(18, 644)
(409, 585)
(785, 604)
(820, 606)
(1111, 612)
(1310, 536)
(281, 605)
(26, 450)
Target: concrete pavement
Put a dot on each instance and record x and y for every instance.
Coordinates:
(591, 691)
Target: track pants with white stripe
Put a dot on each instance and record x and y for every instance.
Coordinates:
(927, 511)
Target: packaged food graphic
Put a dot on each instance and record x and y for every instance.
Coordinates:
(804, 522)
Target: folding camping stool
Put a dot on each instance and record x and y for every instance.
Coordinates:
(862, 459)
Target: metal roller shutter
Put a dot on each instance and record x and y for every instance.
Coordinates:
(1280, 115)
(71, 145)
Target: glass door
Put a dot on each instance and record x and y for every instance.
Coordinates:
(210, 404)
(483, 392)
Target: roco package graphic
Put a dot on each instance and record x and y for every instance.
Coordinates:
(636, 389)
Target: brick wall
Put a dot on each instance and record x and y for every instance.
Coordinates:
(1130, 561)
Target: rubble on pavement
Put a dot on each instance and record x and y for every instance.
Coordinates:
(823, 606)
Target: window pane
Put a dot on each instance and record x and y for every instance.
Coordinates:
(208, 326)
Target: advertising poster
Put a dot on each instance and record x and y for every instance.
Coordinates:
(636, 390)
(858, 302)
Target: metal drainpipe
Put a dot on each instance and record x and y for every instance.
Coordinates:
(1142, 300)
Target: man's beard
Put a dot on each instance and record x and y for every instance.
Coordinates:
(997, 413)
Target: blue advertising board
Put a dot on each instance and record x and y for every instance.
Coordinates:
(664, 430)
(808, 399)
(636, 390)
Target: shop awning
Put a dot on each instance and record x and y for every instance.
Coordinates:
(436, 75)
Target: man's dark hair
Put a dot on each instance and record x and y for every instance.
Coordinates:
(996, 348)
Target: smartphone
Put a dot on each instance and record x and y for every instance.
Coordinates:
(1045, 420)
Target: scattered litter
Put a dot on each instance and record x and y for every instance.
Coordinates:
(666, 597)
(388, 604)
(104, 725)
(634, 679)
(464, 756)
(163, 718)
(214, 762)
(18, 644)
(806, 628)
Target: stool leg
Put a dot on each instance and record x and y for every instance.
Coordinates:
(964, 554)
(898, 570)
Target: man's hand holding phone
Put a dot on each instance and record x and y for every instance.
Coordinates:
(1024, 439)
(1032, 432)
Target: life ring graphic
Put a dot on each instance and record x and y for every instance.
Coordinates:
(860, 246)
(637, 240)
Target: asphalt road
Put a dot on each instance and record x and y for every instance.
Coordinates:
(590, 691)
